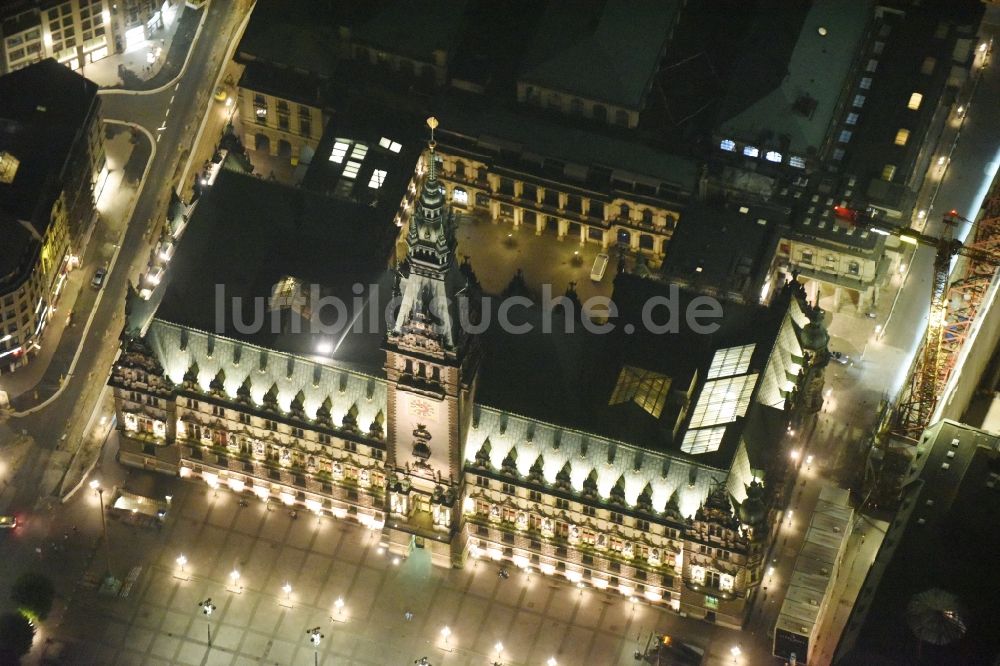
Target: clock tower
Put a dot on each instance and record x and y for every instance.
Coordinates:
(430, 366)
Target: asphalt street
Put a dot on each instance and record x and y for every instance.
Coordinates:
(177, 109)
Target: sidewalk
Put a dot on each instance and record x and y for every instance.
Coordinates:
(43, 376)
(167, 48)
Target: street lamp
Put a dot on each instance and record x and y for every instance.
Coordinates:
(551, 661)
(445, 633)
(736, 652)
(499, 650)
(315, 637)
(181, 561)
(339, 605)
(287, 589)
(207, 607)
(234, 576)
(109, 579)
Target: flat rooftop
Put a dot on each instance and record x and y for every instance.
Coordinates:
(42, 108)
(724, 248)
(816, 564)
(949, 542)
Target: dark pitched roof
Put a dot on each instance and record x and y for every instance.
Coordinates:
(246, 234)
(953, 549)
(606, 50)
(413, 28)
(568, 378)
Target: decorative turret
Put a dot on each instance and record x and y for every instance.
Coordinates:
(509, 464)
(753, 512)
(483, 455)
(617, 494)
(536, 474)
(645, 499)
(218, 384)
(590, 485)
(191, 377)
(672, 509)
(718, 508)
(243, 392)
(271, 398)
(350, 421)
(297, 406)
(377, 428)
(563, 478)
(323, 413)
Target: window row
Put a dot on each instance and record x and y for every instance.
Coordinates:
(574, 534)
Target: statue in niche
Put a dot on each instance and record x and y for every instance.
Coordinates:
(421, 450)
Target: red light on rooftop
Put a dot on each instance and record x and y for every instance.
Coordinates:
(845, 213)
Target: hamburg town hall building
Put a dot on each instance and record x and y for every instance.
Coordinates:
(645, 465)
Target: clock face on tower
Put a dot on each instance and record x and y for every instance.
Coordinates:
(421, 434)
(423, 409)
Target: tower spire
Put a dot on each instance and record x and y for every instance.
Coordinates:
(431, 182)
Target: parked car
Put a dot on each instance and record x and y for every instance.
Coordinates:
(600, 266)
(840, 357)
(8, 522)
(99, 276)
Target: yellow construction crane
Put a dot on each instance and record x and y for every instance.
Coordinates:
(953, 306)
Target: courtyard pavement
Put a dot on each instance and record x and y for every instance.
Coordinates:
(497, 251)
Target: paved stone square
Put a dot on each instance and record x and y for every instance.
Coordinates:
(160, 622)
(498, 250)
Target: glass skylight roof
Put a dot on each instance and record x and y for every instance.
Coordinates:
(359, 152)
(647, 389)
(378, 177)
(731, 361)
(723, 401)
(389, 144)
(351, 169)
(339, 151)
(703, 440)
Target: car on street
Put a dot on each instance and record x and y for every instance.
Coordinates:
(8, 522)
(99, 276)
(840, 357)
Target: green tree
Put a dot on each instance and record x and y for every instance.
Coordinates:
(33, 593)
(16, 635)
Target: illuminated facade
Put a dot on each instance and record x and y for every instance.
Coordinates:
(574, 191)
(411, 453)
(50, 172)
(74, 33)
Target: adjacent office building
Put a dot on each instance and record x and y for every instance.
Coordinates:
(51, 164)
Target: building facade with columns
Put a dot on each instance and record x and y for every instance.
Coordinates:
(580, 186)
(680, 514)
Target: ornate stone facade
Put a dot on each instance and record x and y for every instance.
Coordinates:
(412, 455)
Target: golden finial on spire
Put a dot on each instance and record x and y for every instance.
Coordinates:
(432, 122)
